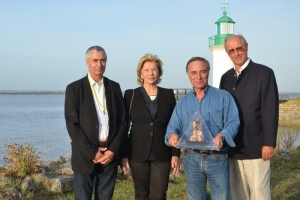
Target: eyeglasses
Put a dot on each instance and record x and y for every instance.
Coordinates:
(238, 50)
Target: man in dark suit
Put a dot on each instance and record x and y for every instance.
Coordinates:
(94, 112)
(254, 89)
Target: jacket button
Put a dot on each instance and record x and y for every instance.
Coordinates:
(151, 124)
(234, 88)
(97, 126)
(151, 133)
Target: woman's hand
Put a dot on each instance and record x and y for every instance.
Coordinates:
(124, 165)
(175, 164)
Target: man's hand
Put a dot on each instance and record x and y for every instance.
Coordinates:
(175, 164)
(219, 140)
(267, 152)
(173, 140)
(97, 157)
(107, 158)
(124, 165)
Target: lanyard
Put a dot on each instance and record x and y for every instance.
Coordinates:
(101, 106)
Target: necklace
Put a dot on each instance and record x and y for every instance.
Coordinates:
(102, 94)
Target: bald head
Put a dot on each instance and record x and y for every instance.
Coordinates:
(236, 47)
(236, 37)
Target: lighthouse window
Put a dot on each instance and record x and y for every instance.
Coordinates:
(218, 28)
(224, 28)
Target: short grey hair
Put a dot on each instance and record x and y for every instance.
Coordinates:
(200, 59)
(244, 41)
(96, 48)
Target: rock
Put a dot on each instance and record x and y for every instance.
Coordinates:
(61, 159)
(62, 183)
(65, 171)
(44, 169)
(56, 176)
(12, 193)
(40, 178)
(55, 182)
(67, 165)
(285, 155)
(47, 166)
(27, 184)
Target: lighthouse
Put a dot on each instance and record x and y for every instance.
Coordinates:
(221, 61)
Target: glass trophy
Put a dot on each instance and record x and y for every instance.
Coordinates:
(197, 135)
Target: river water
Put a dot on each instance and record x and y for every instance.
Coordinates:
(36, 119)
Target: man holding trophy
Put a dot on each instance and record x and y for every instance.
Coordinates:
(204, 122)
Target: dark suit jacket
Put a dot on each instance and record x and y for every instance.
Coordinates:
(83, 125)
(256, 96)
(147, 134)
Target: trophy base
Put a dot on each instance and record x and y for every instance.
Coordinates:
(195, 142)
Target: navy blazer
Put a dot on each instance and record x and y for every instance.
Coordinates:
(83, 125)
(256, 96)
(147, 133)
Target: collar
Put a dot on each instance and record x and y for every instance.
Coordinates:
(205, 91)
(93, 82)
(243, 67)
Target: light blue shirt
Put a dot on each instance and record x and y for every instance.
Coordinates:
(217, 108)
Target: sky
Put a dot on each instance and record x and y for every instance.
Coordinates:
(43, 43)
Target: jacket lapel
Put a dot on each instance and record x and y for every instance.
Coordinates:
(89, 96)
(143, 104)
(160, 100)
(108, 95)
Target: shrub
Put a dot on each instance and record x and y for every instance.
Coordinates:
(20, 161)
(288, 138)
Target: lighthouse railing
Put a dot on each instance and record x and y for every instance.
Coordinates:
(217, 40)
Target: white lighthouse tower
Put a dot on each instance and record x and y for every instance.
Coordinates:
(221, 61)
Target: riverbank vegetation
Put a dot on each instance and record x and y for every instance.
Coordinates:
(285, 181)
(285, 173)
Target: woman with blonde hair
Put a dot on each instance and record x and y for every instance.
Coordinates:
(149, 109)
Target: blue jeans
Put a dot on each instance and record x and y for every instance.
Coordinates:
(213, 169)
(103, 178)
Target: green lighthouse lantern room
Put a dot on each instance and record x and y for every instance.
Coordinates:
(224, 29)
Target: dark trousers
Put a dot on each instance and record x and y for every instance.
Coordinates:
(150, 179)
(103, 178)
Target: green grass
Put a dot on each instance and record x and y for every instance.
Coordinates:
(285, 182)
(124, 188)
(285, 177)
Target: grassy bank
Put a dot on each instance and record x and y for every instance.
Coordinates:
(285, 176)
(285, 182)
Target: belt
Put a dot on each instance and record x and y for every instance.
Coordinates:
(102, 143)
(208, 152)
(102, 146)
